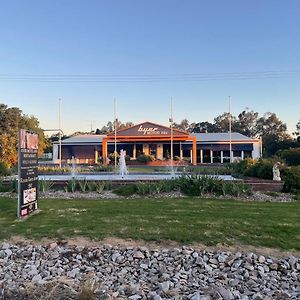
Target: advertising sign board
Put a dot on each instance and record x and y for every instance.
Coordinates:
(28, 173)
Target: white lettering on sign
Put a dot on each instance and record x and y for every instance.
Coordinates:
(151, 130)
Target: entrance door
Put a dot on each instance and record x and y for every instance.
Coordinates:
(152, 149)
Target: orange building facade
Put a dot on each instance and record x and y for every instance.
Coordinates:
(150, 139)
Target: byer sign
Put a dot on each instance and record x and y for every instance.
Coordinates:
(151, 130)
(28, 173)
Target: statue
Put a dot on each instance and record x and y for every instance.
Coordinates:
(276, 172)
(122, 164)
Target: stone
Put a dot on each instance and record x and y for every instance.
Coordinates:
(164, 286)
(138, 255)
(261, 259)
(8, 252)
(134, 297)
(196, 296)
(225, 293)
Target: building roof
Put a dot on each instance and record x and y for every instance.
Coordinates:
(83, 139)
(221, 137)
(96, 139)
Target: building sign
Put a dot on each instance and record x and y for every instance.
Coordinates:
(151, 130)
(148, 129)
(28, 173)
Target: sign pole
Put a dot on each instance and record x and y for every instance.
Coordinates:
(19, 175)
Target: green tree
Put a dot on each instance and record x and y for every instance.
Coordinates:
(204, 127)
(246, 123)
(11, 119)
(273, 131)
(221, 122)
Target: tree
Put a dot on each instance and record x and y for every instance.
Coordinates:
(204, 127)
(11, 119)
(297, 132)
(110, 127)
(246, 123)
(272, 131)
(221, 122)
(183, 125)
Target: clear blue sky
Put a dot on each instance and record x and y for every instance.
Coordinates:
(139, 37)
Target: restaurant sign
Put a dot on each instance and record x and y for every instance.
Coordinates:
(28, 173)
(148, 129)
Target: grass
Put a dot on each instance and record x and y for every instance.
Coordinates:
(188, 220)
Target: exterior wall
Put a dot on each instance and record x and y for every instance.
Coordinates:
(256, 150)
(55, 153)
(146, 149)
(159, 151)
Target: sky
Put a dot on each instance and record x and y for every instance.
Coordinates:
(161, 40)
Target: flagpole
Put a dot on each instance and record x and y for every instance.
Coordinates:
(230, 134)
(115, 125)
(59, 126)
(171, 121)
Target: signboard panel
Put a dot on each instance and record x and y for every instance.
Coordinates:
(149, 129)
(28, 173)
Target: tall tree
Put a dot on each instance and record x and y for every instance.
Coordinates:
(221, 122)
(204, 127)
(272, 131)
(11, 119)
(297, 132)
(246, 123)
(183, 125)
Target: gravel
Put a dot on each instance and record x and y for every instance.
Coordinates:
(130, 272)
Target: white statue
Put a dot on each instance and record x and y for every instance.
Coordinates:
(122, 164)
(276, 172)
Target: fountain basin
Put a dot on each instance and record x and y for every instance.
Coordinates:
(130, 177)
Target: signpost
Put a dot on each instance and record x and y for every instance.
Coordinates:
(28, 173)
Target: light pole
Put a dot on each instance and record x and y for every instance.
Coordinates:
(230, 137)
(115, 125)
(171, 127)
(59, 126)
(60, 134)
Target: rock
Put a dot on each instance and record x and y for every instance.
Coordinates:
(221, 258)
(138, 255)
(73, 273)
(164, 286)
(261, 259)
(196, 296)
(8, 252)
(134, 297)
(225, 293)
(38, 279)
(53, 245)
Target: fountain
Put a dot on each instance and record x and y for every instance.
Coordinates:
(122, 164)
(73, 168)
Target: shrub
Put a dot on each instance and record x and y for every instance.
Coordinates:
(291, 156)
(45, 185)
(4, 171)
(83, 185)
(71, 186)
(100, 186)
(291, 178)
(4, 188)
(196, 185)
(263, 168)
(242, 166)
(144, 158)
(126, 190)
(14, 185)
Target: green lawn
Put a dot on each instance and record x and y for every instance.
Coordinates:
(188, 220)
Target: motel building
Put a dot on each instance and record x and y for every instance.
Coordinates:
(153, 139)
